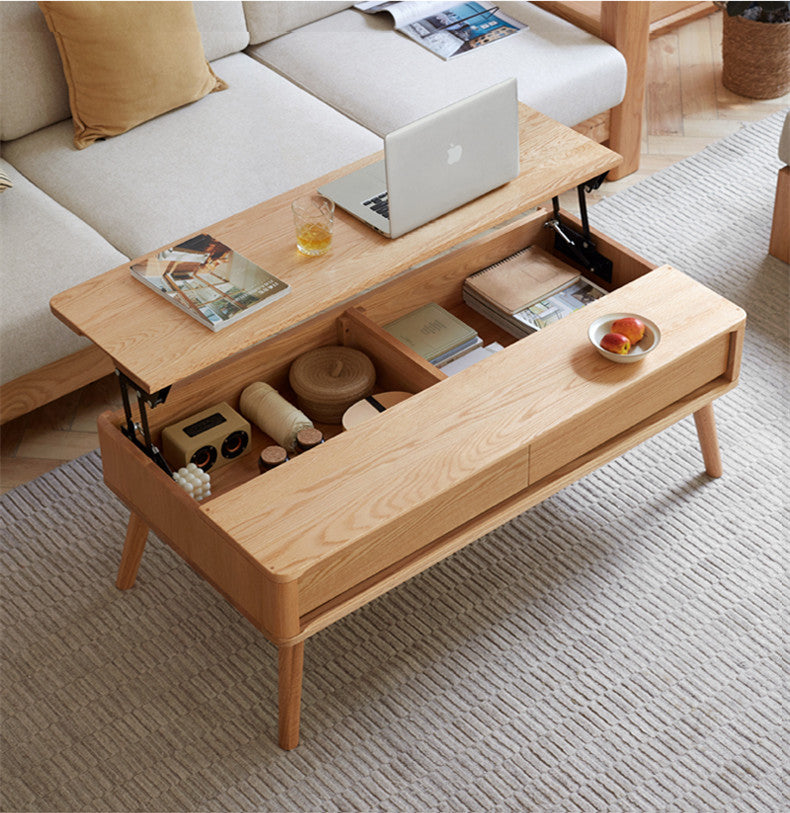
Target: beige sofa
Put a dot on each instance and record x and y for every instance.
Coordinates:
(311, 86)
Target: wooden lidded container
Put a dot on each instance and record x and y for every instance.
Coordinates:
(329, 379)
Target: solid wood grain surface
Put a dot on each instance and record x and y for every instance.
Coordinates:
(319, 514)
(157, 345)
(322, 616)
(53, 380)
(780, 227)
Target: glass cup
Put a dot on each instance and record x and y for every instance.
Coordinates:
(313, 218)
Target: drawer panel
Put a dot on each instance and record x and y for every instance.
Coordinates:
(607, 418)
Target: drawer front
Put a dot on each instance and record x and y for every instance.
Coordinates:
(404, 530)
(630, 405)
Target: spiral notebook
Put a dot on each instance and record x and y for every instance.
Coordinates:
(520, 280)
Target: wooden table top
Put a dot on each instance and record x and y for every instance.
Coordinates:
(156, 344)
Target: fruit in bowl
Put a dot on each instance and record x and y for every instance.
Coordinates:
(616, 342)
(624, 337)
(631, 327)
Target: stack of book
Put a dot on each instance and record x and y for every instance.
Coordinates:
(528, 291)
(435, 334)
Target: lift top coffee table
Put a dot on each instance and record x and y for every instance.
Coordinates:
(301, 546)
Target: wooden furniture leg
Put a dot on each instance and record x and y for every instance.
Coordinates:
(133, 547)
(708, 440)
(780, 230)
(289, 689)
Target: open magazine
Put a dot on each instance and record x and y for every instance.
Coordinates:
(210, 281)
(447, 29)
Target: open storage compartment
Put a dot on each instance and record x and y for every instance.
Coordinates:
(358, 324)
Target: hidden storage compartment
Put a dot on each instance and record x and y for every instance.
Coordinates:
(358, 324)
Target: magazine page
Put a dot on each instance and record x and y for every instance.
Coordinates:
(209, 281)
(555, 307)
(448, 30)
(404, 11)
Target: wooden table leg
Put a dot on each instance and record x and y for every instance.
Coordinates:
(290, 662)
(133, 547)
(708, 440)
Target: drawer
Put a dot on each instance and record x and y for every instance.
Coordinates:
(341, 518)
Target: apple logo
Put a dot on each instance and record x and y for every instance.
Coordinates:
(454, 152)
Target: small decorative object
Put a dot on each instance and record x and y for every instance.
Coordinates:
(756, 48)
(308, 439)
(271, 457)
(624, 337)
(329, 379)
(5, 181)
(194, 481)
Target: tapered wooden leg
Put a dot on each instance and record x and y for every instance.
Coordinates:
(708, 440)
(133, 547)
(291, 662)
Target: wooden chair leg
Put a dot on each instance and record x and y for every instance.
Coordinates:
(290, 662)
(705, 421)
(133, 547)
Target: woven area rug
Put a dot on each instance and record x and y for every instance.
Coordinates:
(616, 648)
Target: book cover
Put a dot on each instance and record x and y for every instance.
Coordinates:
(431, 331)
(210, 281)
(520, 280)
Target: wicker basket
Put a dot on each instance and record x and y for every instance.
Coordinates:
(328, 380)
(756, 57)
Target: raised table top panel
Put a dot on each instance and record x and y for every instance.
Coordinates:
(157, 345)
(474, 439)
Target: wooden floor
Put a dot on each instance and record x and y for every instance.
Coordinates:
(686, 109)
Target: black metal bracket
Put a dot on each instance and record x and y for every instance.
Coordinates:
(580, 247)
(132, 429)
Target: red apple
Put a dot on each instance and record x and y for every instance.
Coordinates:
(630, 327)
(616, 343)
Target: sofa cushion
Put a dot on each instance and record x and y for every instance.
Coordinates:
(196, 165)
(45, 249)
(267, 20)
(33, 90)
(127, 62)
(222, 27)
(361, 66)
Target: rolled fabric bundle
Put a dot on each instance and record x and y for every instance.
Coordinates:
(271, 413)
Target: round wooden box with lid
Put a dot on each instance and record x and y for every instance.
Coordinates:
(328, 380)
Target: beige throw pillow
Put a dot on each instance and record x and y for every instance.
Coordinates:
(127, 62)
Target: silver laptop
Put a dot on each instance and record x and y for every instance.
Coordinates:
(436, 164)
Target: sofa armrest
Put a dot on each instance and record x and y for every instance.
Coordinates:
(626, 26)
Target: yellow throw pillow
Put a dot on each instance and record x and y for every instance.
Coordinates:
(128, 62)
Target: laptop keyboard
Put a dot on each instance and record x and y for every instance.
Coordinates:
(379, 204)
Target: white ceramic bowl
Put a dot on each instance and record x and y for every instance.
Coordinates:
(603, 325)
